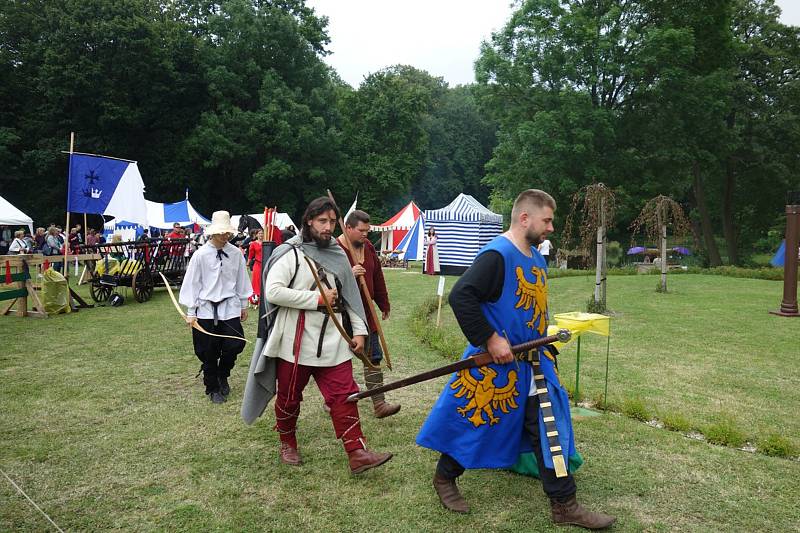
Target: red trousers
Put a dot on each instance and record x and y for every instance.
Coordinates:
(335, 383)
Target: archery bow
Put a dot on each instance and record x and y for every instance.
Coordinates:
(195, 324)
(332, 315)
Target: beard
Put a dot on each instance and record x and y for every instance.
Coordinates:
(322, 241)
(358, 244)
(534, 238)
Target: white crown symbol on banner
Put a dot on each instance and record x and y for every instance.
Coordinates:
(96, 193)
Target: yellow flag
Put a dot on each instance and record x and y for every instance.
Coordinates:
(578, 322)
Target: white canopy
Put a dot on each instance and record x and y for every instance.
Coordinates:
(11, 216)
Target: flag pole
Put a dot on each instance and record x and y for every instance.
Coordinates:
(69, 181)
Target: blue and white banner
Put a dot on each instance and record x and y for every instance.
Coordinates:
(106, 186)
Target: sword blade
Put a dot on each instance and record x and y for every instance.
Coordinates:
(479, 359)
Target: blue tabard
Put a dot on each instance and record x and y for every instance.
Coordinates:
(478, 418)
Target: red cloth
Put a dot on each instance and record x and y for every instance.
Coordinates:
(277, 238)
(254, 254)
(335, 383)
(375, 281)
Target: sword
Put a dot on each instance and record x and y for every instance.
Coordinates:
(479, 359)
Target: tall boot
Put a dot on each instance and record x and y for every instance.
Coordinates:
(570, 512)
(286, 426)
(347, 425)
(374, 378)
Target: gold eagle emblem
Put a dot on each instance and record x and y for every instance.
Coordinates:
(483, 396)
(533, 295)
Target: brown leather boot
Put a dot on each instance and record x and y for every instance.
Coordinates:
(571, 512)
(374, 378)
(362, 460)
(290, 455)
(449, 494)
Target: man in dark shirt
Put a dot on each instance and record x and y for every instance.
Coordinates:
(364, 260)
(501, 300)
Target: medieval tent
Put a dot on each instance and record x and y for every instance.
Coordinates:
(11, 216)
(394, 229)
(462, 228)
(159, 216)
(412, 247)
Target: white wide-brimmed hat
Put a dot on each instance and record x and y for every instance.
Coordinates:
(220, 223)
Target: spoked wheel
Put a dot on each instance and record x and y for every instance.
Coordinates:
(100, 292)
(142, 285)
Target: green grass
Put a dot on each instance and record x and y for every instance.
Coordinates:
(106, 426)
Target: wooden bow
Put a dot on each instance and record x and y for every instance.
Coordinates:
(332, 315)
(195, 324)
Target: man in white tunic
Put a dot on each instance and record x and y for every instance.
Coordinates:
(215, 290)
(302, 340)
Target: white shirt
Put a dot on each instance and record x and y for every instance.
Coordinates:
(304, 296)
(545, 247)
(18, 246)
(209, 279)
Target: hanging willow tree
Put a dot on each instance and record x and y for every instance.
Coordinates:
(592, 209)
(656, 215)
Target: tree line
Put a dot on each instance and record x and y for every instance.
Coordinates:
(233, 99)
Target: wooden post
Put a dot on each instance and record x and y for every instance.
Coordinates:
(789, 303)
(66, 228)
(440, 292)
(663, 247)
(599, 279)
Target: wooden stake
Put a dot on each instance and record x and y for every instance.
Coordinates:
(440, 292)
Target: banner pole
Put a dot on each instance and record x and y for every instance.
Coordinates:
(69, 181)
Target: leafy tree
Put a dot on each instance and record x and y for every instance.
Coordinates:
(270, 130)
(386, 128)
(461, 139)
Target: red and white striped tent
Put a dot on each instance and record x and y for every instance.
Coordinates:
(394, 229)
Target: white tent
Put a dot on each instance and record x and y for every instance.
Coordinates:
(159, 215)
(163, 216)
(463, 227)
(282, 220)
(11, 216)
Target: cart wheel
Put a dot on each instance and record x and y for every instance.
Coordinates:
(100, 293)
(142, 285)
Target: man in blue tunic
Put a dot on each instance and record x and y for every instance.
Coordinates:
(486, 417)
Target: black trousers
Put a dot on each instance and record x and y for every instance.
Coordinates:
(217, 355)
(556, 488)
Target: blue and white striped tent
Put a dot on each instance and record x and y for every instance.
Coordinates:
(463, 228)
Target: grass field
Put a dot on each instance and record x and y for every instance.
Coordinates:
(106, 426)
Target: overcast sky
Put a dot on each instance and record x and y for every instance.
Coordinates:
(442, 37)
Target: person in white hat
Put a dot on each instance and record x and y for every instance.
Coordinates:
(215, 290)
